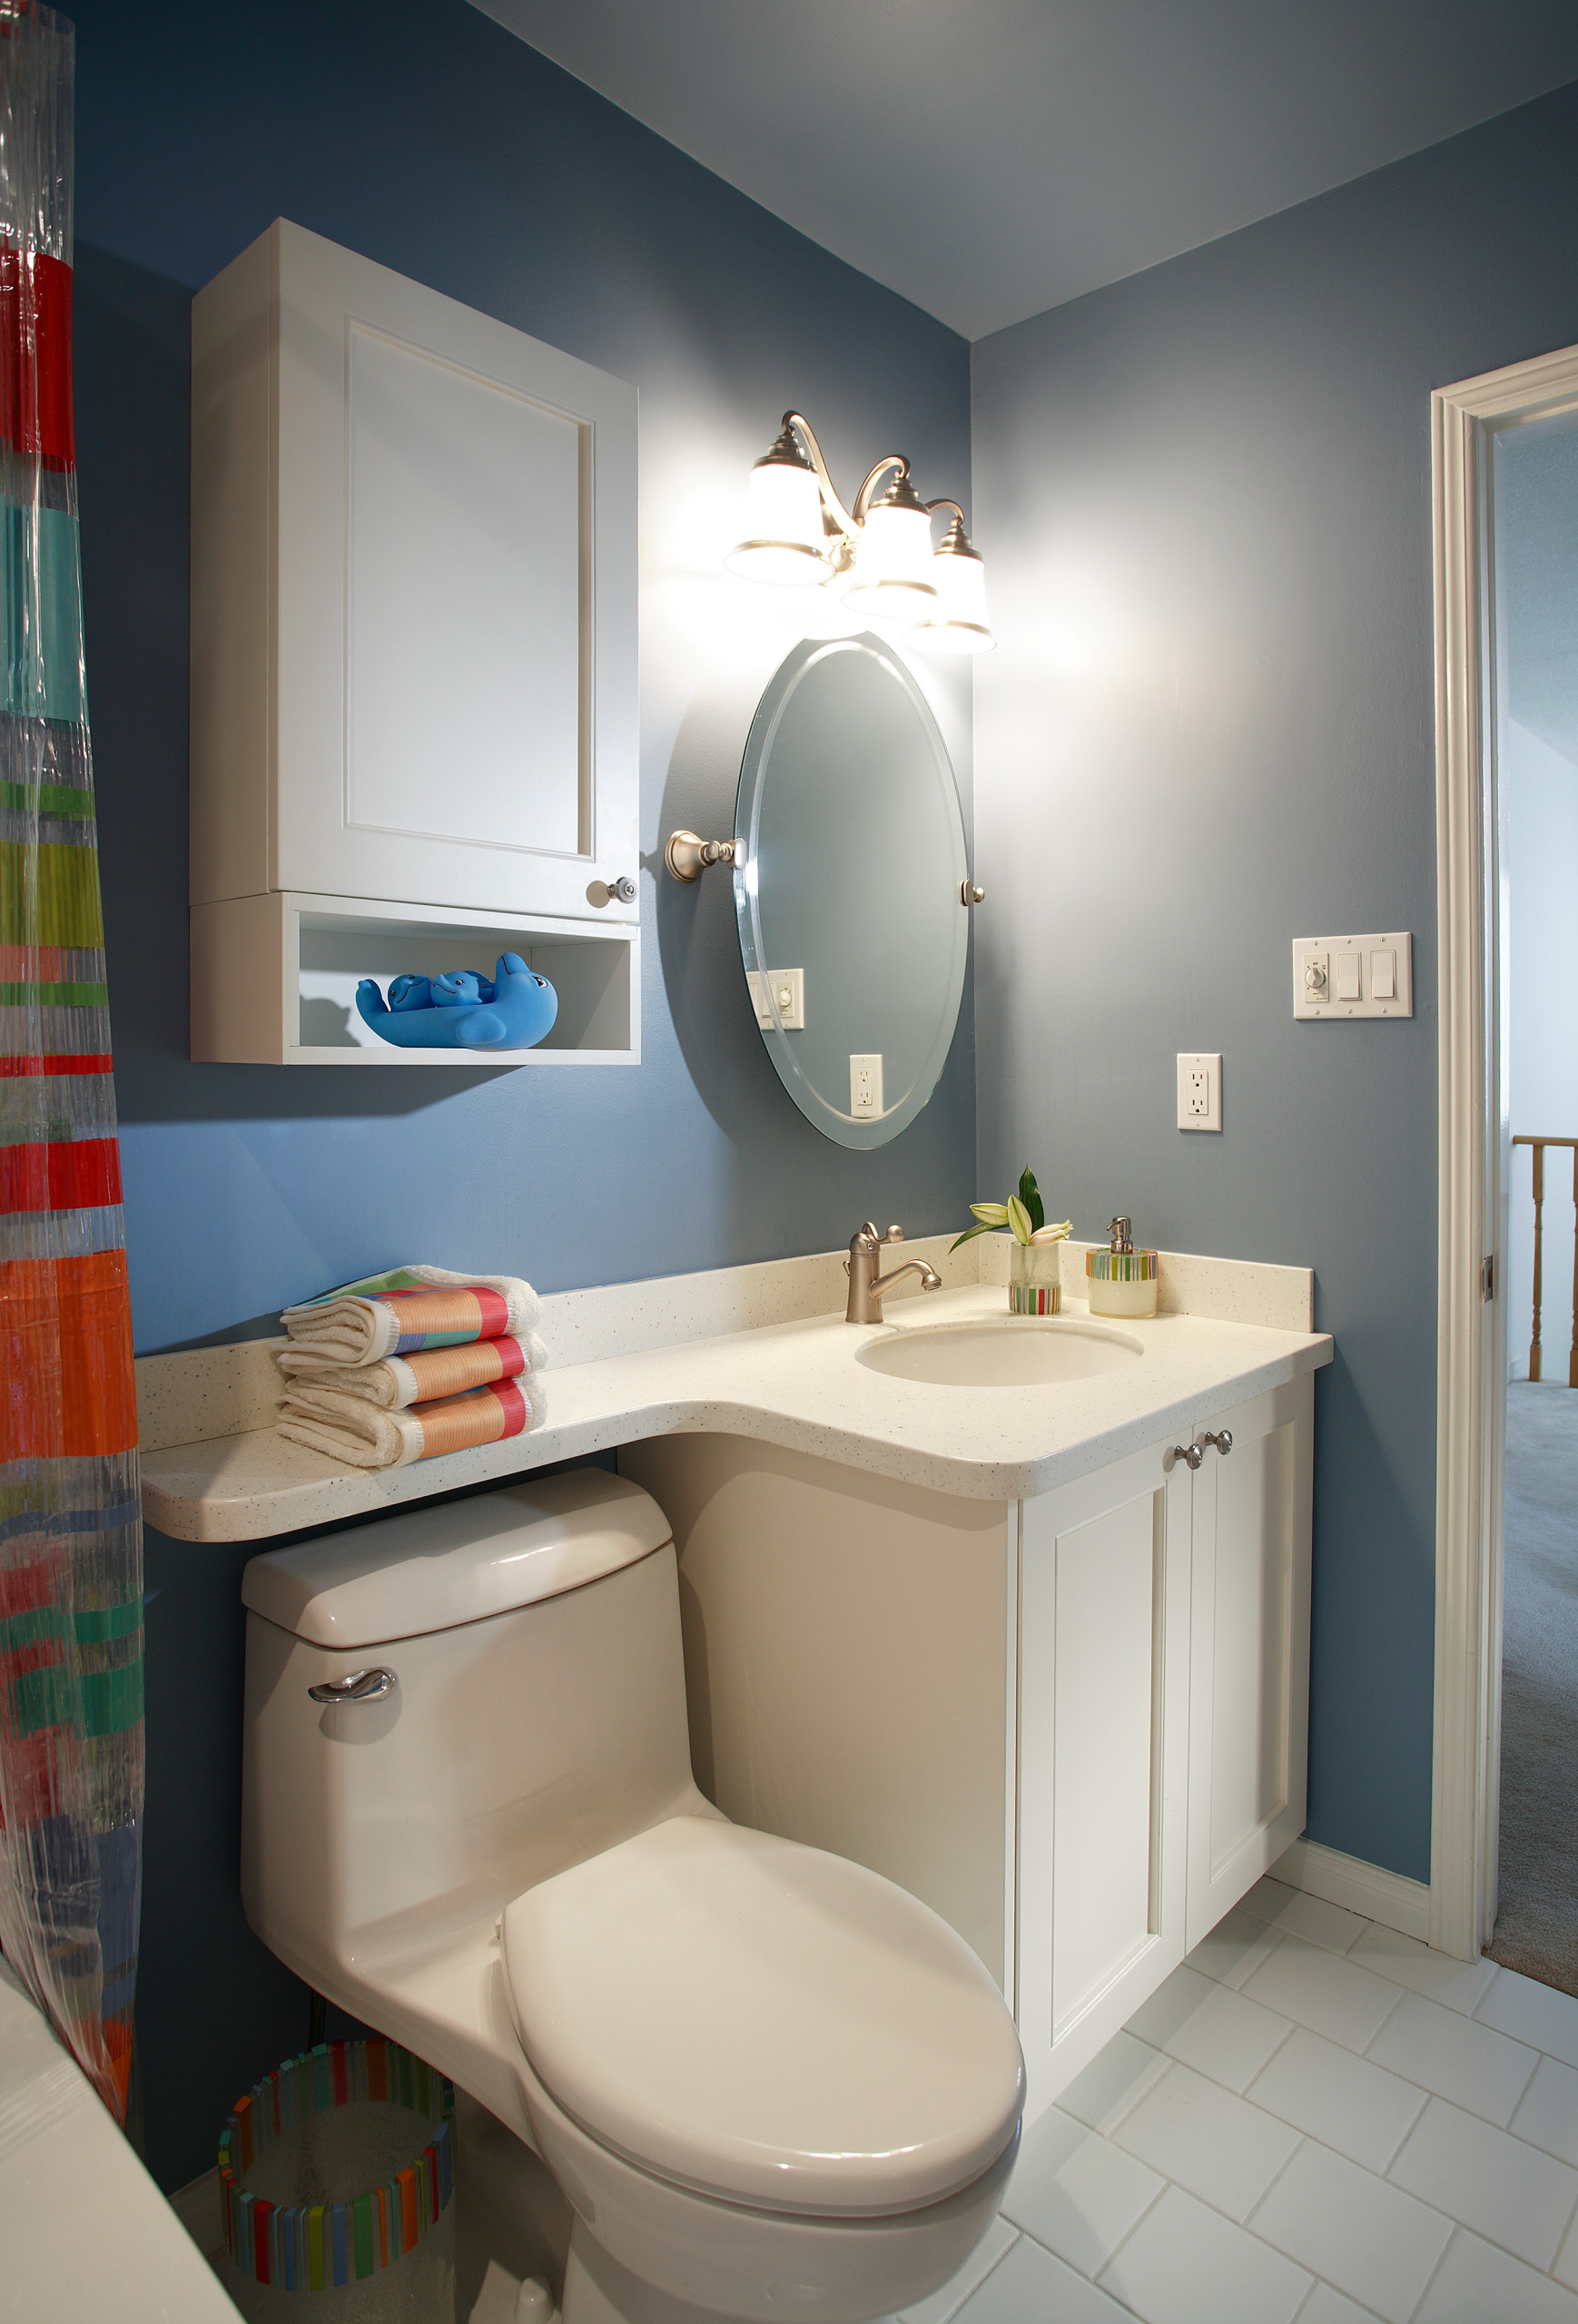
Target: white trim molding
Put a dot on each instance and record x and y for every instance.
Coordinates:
(1367, 1888)
(1466, 419)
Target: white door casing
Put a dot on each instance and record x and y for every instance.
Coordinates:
(1466, 419)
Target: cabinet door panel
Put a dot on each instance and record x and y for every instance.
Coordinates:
(454, 660)
(1249, 1650)
(1102, 1759)
(464, 605)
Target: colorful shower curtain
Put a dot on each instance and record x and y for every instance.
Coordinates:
(71, 1533)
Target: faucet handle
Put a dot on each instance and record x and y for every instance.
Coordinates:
(894, 1234)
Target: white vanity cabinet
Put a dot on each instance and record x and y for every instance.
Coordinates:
(414, 715)
(1075, 1725)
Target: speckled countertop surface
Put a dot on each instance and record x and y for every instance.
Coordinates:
(795, 1384)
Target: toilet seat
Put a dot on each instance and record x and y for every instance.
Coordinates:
(763, 2022)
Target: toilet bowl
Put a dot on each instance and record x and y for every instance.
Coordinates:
(769, 2084)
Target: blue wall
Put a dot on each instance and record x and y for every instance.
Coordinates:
(431, 140)
(1205, 493)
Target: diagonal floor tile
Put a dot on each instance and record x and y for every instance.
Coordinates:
(1300, 1915)
(1477, 2284)
(1234, 1949)
(1455, 2056)
(1547, 2113)
(1506, 2191)
(1114, 2081)
(1369, 2239)
(1210, 2027)
(1458, 1984)
(1076, 2192)
(1538, 2014)
(1031, 2287)
(1184, 2264)
(1343, 2101)
(1201, 2137)
(1325, 1992)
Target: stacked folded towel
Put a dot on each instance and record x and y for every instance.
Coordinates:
(404, 1366)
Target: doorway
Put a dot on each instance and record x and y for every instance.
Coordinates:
(1534, 633)
(1506, 1628)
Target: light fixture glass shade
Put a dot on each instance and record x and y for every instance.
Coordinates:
(891, 575)
(958, 625)
(783, 540)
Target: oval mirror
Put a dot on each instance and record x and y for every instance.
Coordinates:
(849, 858)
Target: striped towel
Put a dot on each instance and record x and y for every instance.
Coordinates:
(399, 1381)
(411, 1309)
(349, 1428)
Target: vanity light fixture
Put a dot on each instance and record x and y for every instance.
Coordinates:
(877, 556)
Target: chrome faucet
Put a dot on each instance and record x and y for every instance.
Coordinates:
(865, 1286)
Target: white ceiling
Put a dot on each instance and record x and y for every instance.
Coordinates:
(993, 158)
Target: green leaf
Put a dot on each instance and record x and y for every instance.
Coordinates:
(971, 1232)
(1019, 1219)
(990, 1214)
(1030, 1194)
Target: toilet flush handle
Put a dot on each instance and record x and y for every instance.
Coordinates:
(357, 1687)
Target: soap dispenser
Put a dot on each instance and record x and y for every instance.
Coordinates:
(1120, 1280)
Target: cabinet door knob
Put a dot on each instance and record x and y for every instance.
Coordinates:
(1189, 1454)
(624, 888)
(1222, 1438)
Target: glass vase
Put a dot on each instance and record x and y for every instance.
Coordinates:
(1035, 1275)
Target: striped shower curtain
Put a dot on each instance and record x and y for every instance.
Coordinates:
(71, 1534)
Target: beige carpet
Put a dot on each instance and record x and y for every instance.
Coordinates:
(1536, 1927)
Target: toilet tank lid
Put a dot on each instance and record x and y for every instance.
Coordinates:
(432, 1568)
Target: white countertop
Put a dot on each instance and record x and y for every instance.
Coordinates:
(84, 2230)
(794, 1382)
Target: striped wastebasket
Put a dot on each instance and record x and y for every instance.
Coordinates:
(337, 2180)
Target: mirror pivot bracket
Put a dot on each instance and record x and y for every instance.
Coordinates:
(688, 856)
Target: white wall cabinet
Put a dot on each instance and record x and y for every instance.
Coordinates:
(414, 628)
(1074, 1726)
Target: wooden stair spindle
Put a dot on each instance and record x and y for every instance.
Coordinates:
(1535, 1350)
(1536, 1353)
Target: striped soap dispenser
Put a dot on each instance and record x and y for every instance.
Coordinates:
(1120, 1280)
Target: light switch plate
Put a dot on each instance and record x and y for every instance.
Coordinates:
(1199, 1090)
(865, 1087)
(787, 989)
(1317, 963)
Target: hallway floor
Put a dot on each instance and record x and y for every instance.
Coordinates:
(1536, 1928)
(1314, 2119)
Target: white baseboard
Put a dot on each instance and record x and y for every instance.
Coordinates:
(196, 2206)
(1380, 1895)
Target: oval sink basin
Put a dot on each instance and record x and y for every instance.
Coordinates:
(1023, 1354)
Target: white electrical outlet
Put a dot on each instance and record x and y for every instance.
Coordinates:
(1199, 1091)
(780, 990)
(865, 1087)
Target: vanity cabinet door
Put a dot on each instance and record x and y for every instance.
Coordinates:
(1104, 1672)
(1249, 1648)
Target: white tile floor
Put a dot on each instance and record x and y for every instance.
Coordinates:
(1316, 2120)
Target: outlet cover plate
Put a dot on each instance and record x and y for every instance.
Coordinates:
(1199, 1089)
(865, 1087)
(1330, 953)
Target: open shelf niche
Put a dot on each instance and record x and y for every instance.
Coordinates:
(274, 979)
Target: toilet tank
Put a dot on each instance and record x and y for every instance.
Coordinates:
(534, 1714)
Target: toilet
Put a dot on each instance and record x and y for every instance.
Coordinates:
(769, 2084)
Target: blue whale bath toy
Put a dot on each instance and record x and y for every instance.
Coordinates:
(462, 1010)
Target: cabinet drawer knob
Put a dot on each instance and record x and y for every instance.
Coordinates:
(1189, 1454)
(1222, 1438)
